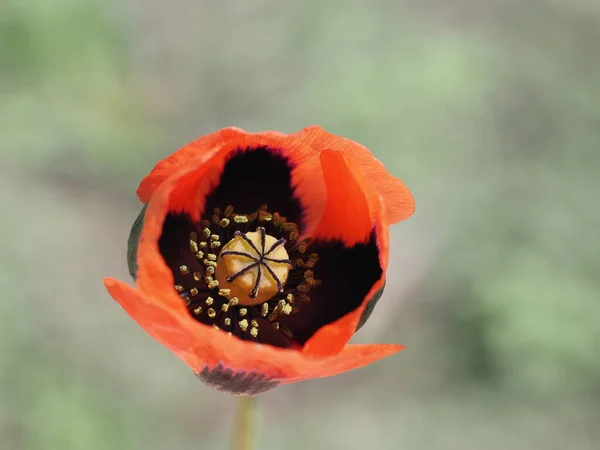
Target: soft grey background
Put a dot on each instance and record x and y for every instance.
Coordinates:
(489, 110)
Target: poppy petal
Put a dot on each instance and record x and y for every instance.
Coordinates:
(331, 338)
(399, 203)
(158, 322)
(270, 366)
(351, 204)
(351, 357)
(206, 145)
(209, 155)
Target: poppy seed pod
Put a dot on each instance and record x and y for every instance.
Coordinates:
(258, 255)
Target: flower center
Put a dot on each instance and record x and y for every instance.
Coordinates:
(255, 266)
(246, 274)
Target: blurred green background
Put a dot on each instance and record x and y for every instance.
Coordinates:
(489, 110)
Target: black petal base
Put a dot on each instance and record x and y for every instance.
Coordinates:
(237, 383)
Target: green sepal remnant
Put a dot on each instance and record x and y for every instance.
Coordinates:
(369, 308)
(133, 241)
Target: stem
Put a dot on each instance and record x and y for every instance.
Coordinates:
(245, 423)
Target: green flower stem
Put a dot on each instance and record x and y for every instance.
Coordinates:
(245, 423)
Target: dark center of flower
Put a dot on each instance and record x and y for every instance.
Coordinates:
(244, 286)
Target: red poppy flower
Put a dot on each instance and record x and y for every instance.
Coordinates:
(258, 255)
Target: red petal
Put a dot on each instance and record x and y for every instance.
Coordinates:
(205, 146)
(208, 155)
(351, 357)
(200, 346)
(352, 205)
(399, 203)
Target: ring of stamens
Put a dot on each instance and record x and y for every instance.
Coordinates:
(283, 273)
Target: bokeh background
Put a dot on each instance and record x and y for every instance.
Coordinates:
(489, 110)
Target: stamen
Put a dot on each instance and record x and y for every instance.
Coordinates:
(264, 216)
(250, 269)
(287, 331)
(303, 288)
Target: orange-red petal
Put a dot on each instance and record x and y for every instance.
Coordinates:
(399, 202)
(351, 357)
(304, 149)
(201, 346)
